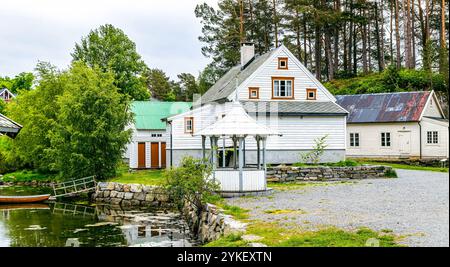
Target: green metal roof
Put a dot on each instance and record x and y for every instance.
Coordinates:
(148, 114)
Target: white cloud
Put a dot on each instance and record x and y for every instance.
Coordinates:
(165, 31)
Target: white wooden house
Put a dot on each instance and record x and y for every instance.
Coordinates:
(395, 125)
(277, 91)
(147, 148)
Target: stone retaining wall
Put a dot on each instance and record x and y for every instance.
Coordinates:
(320, 173)
(128, 195)
(210, 223)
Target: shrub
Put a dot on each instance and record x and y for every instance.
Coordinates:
(190, 181)
(318, 150)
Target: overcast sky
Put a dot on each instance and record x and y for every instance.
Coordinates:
(165, 31)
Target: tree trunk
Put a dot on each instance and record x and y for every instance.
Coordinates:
(350, 38)
(336, 38)
(241, 21)
(397, 37)
(443, 53)
(275, 22)
(407, 29)
(317, 51)
(297, 29)
(391, 35)
(363, 28)
(304, 40)
(382, 35)
(413, 35)
(377, 34)
(329, 57)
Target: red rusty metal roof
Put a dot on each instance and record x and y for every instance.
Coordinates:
(386, 107)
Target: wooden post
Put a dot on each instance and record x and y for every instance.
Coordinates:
(258, 154)
(264, 162)
(223, 152)
(241, 164)
(234, 152)
(204, 147)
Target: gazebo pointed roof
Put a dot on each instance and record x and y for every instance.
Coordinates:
(236, 123)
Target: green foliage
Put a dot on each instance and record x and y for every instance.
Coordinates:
(390, 80)
(231, 240)
(22, 81)
(391, 174)
(159, 85)
(235, 211)
(89, 136)
(72, 123)
(318, 149)
(344, 163)
(37, 111)
(27, 176)
(110, 49)
(406, 166)
(333, 237)
(190, 182)
(2, 107)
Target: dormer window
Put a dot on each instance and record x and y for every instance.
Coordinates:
(282, 88)
(311, 94)
(253, 93)
(282, 63)
(189, 125)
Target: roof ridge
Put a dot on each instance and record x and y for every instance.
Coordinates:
(387, 93)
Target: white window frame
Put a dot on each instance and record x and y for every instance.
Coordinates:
(386, 139)
(189, 128)
(353, 137)
(281, 83)
(432, 137)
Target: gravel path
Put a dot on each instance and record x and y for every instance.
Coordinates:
(416, 205)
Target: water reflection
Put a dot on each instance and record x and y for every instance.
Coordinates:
(67, 224)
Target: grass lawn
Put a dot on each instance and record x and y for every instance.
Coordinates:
(273, 235)
(298, 185)
(406, 167)
(146, 177)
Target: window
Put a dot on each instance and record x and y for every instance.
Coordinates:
(156, 135)
(354, 139)
(189, 125)
(282, 88)
(311, 94)
(432, 137)
(385, 139)
(253, 93)
(282, 63)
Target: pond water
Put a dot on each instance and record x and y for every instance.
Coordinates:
(62, 224)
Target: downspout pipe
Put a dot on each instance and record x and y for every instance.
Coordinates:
(420, 140)
(171, 145)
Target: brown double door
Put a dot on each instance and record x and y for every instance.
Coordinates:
(154, 152)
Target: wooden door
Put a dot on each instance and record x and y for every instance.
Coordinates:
(141, 155)
(155, 155)
(163, 155)
(404, 140)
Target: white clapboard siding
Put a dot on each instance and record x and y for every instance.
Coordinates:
(297, 132)
(262, 78)
(252, 180)
(143, 136)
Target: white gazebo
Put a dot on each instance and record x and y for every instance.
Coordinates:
(237, 125)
